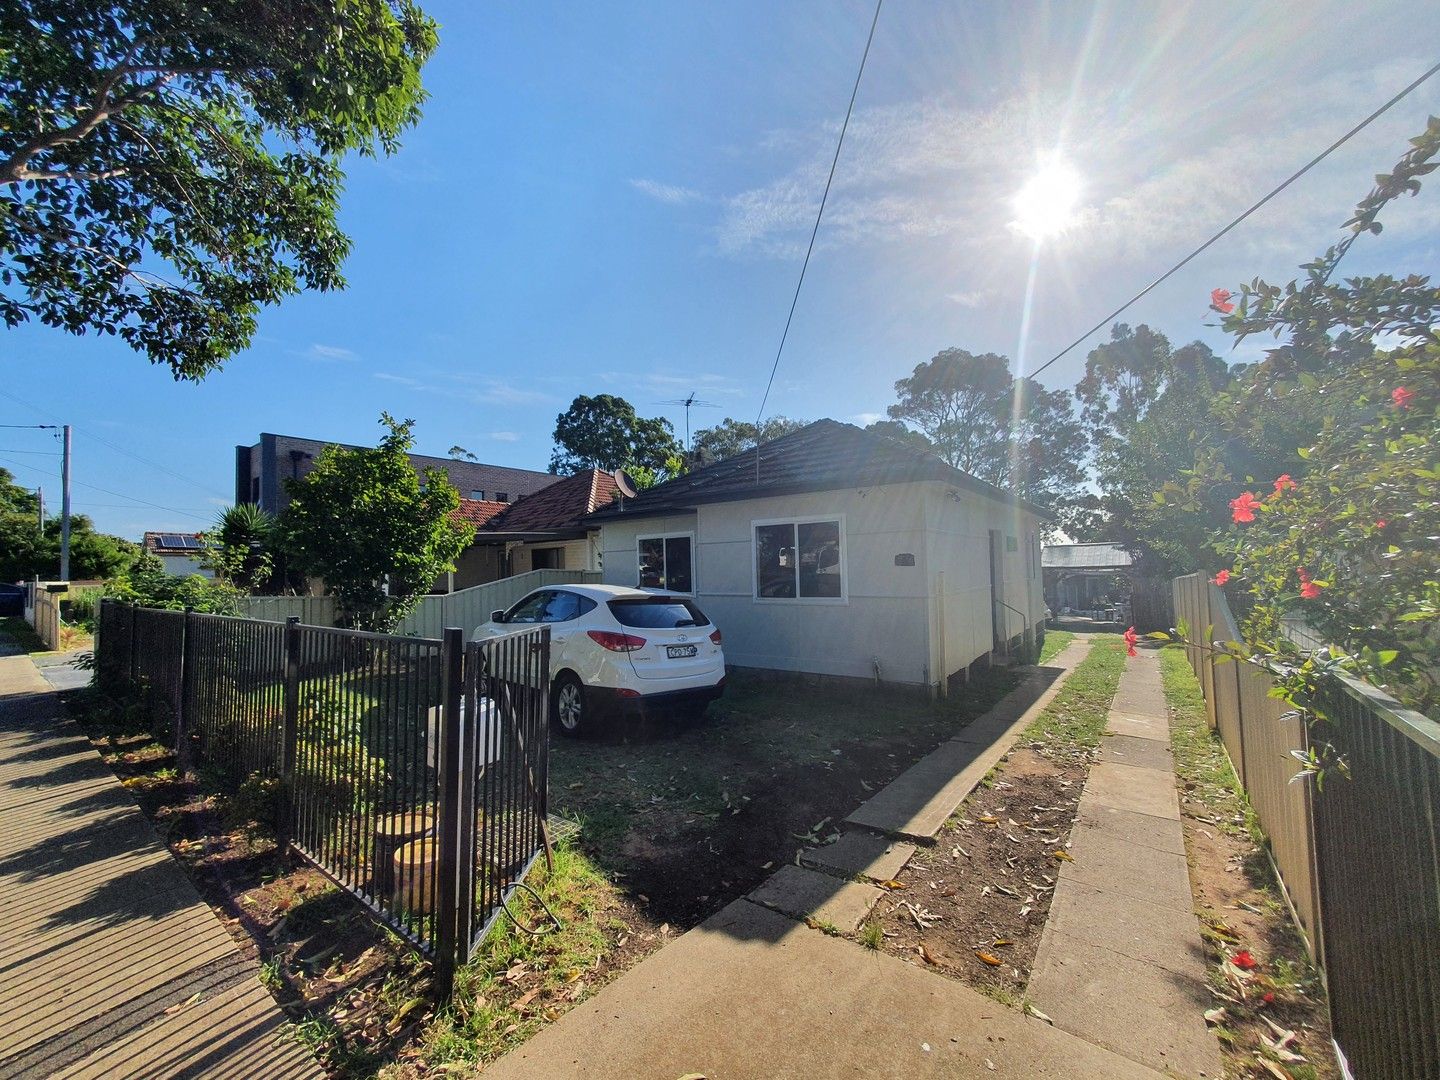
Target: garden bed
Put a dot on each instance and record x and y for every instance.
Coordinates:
(974, 905)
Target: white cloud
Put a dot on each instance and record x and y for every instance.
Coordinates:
(972, 298)
(505, 436)
(673, 194)
(865, 419)
(328, 354)
(666, 381)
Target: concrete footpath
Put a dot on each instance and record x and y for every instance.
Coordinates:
(1121, 962)
(110, 963)
(755, 992)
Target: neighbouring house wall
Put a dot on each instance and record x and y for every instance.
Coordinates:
(884, 617)
(576, 555)
(958, 534)
(478, 564)
(184, 566)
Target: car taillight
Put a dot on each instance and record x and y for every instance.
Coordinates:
(715, 637)
(608, 639)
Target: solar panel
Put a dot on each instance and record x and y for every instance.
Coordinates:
(191, 542)
(179, 541)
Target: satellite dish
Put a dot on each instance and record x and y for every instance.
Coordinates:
(624, 484)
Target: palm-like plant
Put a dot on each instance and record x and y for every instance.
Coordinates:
(241, 546)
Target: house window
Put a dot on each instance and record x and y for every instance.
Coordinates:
(478, 495)
(800, 560)
(547, 558)
(666, 562)
(502, 496)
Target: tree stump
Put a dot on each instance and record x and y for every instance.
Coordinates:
(392, 832)
(414, 874)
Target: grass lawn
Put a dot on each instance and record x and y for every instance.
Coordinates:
(1238, 899)
(1055, 641)
(688, 817)
(21, 633)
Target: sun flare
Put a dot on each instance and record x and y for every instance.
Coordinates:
(1048, 203)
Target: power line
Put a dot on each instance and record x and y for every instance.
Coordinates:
(107, 491)
(1283, 185)
(819, 214)
(207, 488)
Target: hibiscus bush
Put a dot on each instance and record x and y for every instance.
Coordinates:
(1351, 543)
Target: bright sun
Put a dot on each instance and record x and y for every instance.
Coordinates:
(1046, 205)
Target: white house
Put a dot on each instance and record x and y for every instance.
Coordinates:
(179, 553)
(839, 552)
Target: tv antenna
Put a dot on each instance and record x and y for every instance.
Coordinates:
(689, 402)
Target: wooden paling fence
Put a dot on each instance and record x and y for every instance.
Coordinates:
(1360, 857)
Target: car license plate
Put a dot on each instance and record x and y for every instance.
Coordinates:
(680, 652)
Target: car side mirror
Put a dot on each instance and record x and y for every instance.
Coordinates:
(498, 615)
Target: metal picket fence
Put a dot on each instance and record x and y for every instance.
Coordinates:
(1360, 858)
(412, 772)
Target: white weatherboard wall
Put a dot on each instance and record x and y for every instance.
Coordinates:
(884, 616)
(958, 532)
(920, 622)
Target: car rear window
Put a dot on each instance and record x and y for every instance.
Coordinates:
(657, 612)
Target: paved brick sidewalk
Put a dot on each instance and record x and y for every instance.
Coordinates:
(110, 963)
(1121, 962)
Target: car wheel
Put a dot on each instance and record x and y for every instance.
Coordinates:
(569, 711)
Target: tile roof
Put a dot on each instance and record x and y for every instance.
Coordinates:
(557, 507)
(1084, 557)
(824, 456)
(478, 512)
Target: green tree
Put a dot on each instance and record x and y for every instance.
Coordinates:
(241, 547)
(731, 437)
(168, 169)
(1009, 432)
(644, 476)
(374, 530)
(604, 432)
(26, 551)
(894, 429)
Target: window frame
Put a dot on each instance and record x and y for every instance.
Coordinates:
(795, 522)
(640, 538)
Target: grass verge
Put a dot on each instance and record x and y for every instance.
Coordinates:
(1055, 641)
(1076, 717)
(1240, 904)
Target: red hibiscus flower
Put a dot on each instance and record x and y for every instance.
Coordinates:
(1283, 483)
(1221, 577)
(1401, 397)
(1220, 301)
(1244, 960)
(1243, 508)
(1308, 589)
(1130, 639)
(1380, 524)
(1268, 998)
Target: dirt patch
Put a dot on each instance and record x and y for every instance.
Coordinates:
(975, 904)
(687, 817)
(1260, 973)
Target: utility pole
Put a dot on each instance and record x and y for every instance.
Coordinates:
(65, 509)
(40, 507)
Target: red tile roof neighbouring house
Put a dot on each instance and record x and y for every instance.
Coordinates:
(559, 506)
(477, 512)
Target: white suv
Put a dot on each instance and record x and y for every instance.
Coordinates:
(616, 648)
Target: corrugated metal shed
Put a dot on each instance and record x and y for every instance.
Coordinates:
(1085, 557)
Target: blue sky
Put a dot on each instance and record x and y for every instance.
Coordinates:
(616, 199)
